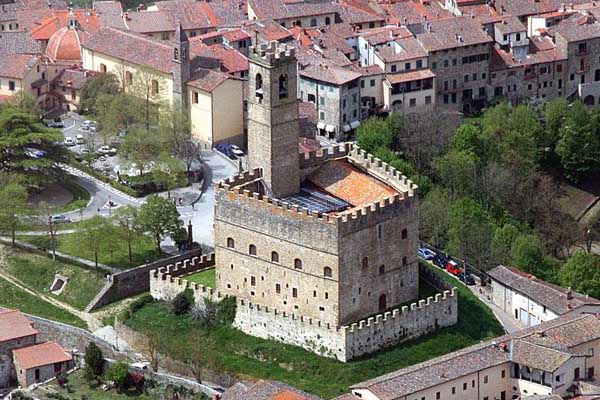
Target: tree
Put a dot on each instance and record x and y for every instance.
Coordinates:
(141, 149)
(579, 146)
(183, 302)
(20, 134)
(160, 217)
(470, 231)
(376, 133)
(582, 273)
(13, 198)
(94, 361)
(119, 374)
(433, 217)
(176, 134)
(93, 235)
(527, 253)
(45, 212)
(458, 171)
(168, 173)
(115, 112)
(126, 218)
(470, 138)
(502, 242)
(555, 115)
(100, 84)
(202, 355)
(151, 350)
(149, 87)
(25, 101)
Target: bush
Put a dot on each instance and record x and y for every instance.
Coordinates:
(94, 361)
(119, 374)
(138, 303)
(183, 302)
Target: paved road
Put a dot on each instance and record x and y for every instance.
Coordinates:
(509, 323)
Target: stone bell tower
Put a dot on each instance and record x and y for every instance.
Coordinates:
(180, 66)
(273, 121)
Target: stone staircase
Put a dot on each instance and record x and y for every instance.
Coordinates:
(92, 304)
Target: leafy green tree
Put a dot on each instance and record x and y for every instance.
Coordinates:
(470, 138)
(119, 374)
(150, 88)
(21, 133)
(582, 273)
(555, 115)
(376, 133)
(25, 101)
(100, 84)
(126, 218)
(470, 231)
(160, 217)
(94, 235)
(141, 149)
(13, 198)
(115, 112)
(183, 302)
(94, 361)
(502, 242)
(458, 171)
(527, 253)
(176, 134)
(169, 172)
(433, 217)
(579, 146)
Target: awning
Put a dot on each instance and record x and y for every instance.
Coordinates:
(355, 124)
(330, 128)
(346, 128)
(320, 125)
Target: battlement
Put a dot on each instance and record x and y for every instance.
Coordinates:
(185, 267)
(272, 52)
(318, 157)
(383, 171)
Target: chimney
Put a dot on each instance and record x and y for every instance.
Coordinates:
(569, 293)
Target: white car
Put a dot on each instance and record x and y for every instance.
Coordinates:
(79, 139)
(85, 125)
(69, 141)
(236, 150)
(107, 150)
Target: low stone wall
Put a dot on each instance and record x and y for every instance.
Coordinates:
(137, 280)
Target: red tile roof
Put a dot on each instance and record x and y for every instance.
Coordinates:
(15, 325)
(16, 65)
(327, 73)
(65, 45)
(41, 354)
(87, 21)
(350, 184)
(410, 76)
(231, 60)
(207, 79)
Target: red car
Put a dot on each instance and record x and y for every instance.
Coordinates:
(453, 268)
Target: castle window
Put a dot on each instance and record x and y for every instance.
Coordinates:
(294, 292)
(313, 22)
(274, 256)
(404, 260)
(327, 273)
(381, 269)
(259, 88)
(230, 243)
(321, 308)
(154, 87)
(379, 231)
(327, 20)
(283, 87)
(277, 288)
(298, 263)
(176, 54)
(314, 293)
(103, 68)
(365, 263)
(253, 281)
(128, 78)
(404, 233)
(252, 250)
(326, 295)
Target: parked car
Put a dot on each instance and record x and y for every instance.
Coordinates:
(236, 150)
(59, 219)
(439, 260)
(85, 125)
(107, 150)
(453, 267)
(79, 139)
(425, 253)
(225, 149)
(69, 141)
(468, 279)
(122, 132)
(55, 123)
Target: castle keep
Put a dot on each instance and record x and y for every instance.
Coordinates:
(318, 248)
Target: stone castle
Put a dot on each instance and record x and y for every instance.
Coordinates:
(318, 248)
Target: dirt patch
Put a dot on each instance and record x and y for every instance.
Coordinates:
(53, 194)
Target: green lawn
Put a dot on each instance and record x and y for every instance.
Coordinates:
(246, 355)
(143, 249)
(37, 273)
(15, 298)
(78, 388)
(206, 278)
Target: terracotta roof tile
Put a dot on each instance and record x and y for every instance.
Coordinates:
(15, 325)
(329, 73)
(16, 65)
(207, 79)
(41, 354)
(410, 76)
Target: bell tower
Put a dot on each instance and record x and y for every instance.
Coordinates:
(273, 121)
(180, 66)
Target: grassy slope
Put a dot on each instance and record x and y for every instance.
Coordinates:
(15, 298)
(37, 273)
(258, 358)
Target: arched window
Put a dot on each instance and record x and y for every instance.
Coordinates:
(230, 243)
(128, 78)
(365, 262)
(283, 87)
(381, 269)
(597, 75)
(154, 86)
(259, 88)
(404, 262)
(404, 233)
(313, 22)
(327, 273)
(274, 256)
(382, 302)
(297, 263)
(327, 20)
(103, 68)
(252, 250)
